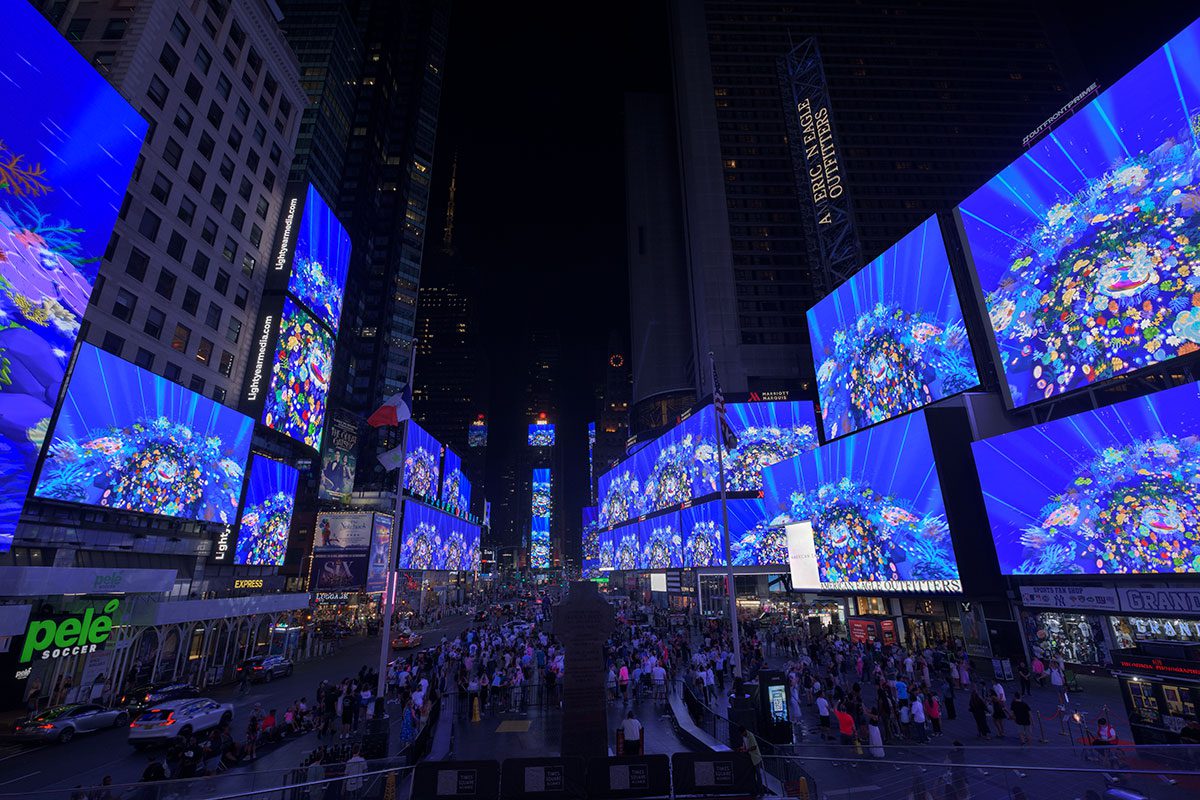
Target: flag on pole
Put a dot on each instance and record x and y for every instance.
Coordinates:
(392, 459)
(727, 435)
(394, 410)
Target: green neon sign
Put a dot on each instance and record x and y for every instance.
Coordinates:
(72, 636)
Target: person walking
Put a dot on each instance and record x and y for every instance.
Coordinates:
(632, 730)
(355, 768)
(999, 709)
(979, 710)
(874, 735)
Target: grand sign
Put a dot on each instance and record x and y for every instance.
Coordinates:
(49, 638)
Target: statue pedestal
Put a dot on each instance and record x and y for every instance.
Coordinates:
(583, 624)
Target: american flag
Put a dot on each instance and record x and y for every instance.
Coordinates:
(727, 435)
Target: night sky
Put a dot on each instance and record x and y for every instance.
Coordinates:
(532, 104)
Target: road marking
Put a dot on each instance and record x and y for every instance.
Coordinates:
(21, 751)
(23, 777)
(855, 790)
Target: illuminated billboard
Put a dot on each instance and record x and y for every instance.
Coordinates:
(541, 503)
(1114, 491)
(876, 509)
(541, 434)
(626, 546)
(541, 507)
(68, 145)
(267, 513)
(754, 540)
(343, 530)
(296, 402)
(590, 544)
(660, 544)
(126, 438)
(681, 465)
(1087, 247)
(891, 338)
(432, 539)
(456, 489)
(339, 458)
(477, 432)
(320, 261)
(381, 549)
(422, 463)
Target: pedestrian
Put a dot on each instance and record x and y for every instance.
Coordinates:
(1024, 677)
(979, 710)
(750, 745)
(935, 714)
(1058, 680)
(874, 736)
(846, 727)
(632, 730)
(999, 710)
(355, 768)
(1023, 717)
(823, 715)
(918, 718)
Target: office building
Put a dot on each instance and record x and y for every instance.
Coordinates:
(927, 102)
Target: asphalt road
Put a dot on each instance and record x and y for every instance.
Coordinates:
(88, 758)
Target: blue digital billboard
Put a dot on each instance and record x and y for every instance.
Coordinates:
(422, 463)
(456, 489)
(608, 549)
(660, 542)
(541, 434)
(540, 510)
(681, 465)
(876, 508)
(1087, 247)
(477, 433)
(68, 145)
(126, 438)
(753, 539)
(267, 513)
(320, 261)
(626, 546)
(296, 402)
(590, 544)
(1108, 492)
(891, 338)
(432, 539)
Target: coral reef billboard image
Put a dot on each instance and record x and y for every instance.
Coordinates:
(68, 145)
(267, 513)
(296, 403)
(320, 261)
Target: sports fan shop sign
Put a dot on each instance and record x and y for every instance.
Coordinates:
(1081, 598)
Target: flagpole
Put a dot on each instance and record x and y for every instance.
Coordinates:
(391, 585)
(731, 588)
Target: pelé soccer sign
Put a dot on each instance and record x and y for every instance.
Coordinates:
(75, 635)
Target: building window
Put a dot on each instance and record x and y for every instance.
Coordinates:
(219, 394)
(206, 145)
(103, 60)
(238, 217)
(196, 177)
(160, 189)
(269, 180)
(241, 297)
(275, 154)
(112, 343)
(144, 359)
(149, 225)
(137, 263)
(226, 365)
(252, 161)
(243, 112)
(166, 284)
(233, 331)
(172, 372)
(183, 335)
(209, 232)
(230, 250)
(203, 60)
(226, 169)
(187, 210)
(204, 351)
(197, 384)
(222, 282)
(191, 301)
(114, 30)
(237, 35)
(248, 264)
(77, 29)
(256, 235)
(180, 30)
(176, 245)
(260, 133)
(245, 188)
(193, 89)
(169, 59)
(262, 208)
(215, 114)
(218, 199)
(235, 139)
(173, 153)
(94, 299)
(157, 92)
(200, 266)
(213, 318)
(224, 86)
(184, 120)
(155, 321)
(124, 304)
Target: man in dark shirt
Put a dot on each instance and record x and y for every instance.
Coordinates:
(1023, 716)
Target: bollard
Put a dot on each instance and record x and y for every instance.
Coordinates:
(475, 710)
(1041, 728)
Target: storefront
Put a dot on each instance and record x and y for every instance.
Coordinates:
(928, 623)
(1161, 694)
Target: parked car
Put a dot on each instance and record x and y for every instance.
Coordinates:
(61, 723)
(265, 668)
(406, 640)
(135, 701)
(178, 719)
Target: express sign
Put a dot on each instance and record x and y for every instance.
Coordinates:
(71, 636)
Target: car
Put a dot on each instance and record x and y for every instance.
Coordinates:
(135, 701)
(406, 640)
(178, 719)
(61, 723)
(481, 615)
(264, 668)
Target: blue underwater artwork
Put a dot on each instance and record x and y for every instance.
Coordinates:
(68, 145)
(267, 513)
(891, 338)
(1087, 247)
(126, 438)
(321, 261)
(432, 539)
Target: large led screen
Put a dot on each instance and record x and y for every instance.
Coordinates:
(68, 144)
(627, 548)
(433, 539)
(876, 508)
(267, 514)
(752, 537)
(128, 439)
(891, 339)
(422, 463)
(660, 542)
(321, 261)
(456, 489)
(681, 465)
(1087, 248)
(381, 549)
(295, 405)
(541, 435)
(540, 504)
(539, 543)
(1112, 491)
(590, 544)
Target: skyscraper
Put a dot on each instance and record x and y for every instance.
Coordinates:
(906, 87)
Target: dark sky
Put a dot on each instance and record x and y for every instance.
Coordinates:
(532, 103)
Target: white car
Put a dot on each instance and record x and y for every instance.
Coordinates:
(178, 718)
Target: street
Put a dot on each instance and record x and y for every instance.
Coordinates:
(86, 760)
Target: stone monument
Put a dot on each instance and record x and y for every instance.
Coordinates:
(583, 623)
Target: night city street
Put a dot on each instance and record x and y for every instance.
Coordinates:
(676, 398)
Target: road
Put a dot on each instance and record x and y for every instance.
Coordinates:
(86, 760)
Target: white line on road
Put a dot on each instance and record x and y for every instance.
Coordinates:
(23, 777)
(854, 790)
(22, 752)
